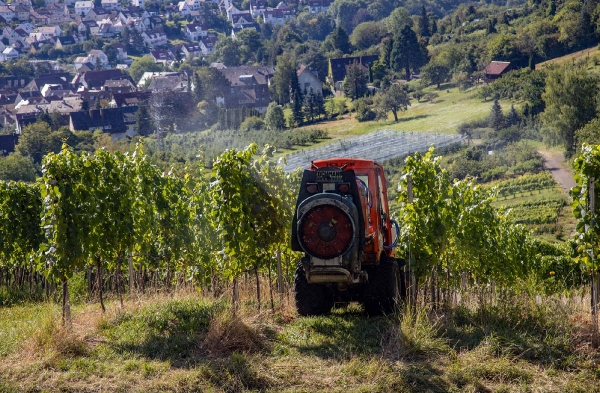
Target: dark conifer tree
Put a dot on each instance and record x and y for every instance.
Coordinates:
(424, 23)
(497, 121)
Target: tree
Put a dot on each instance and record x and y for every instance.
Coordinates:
(551, 11)
(367, 34)
(571, 98)
(398, 20)
(251, 44)
(355, 82)
(55, 120)
(141, 65)
(435, 73)
(227, 51)
(274, 117)
(424, 23)
(285, 79)
(85, 104)
(16, 167)
(310, 104)
(484, 92)
(407, 53)
(297, 112)
(394, 99)
(35, 141)
(126, 38)
(496, 119)
(198, 89)
(340, 40)
(513, 117)
(44, 117)
(144, 125)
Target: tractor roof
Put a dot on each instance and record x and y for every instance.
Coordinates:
(345, 163)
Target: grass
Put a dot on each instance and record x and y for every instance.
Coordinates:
(184, 342)
(443, 115)
(572, 57)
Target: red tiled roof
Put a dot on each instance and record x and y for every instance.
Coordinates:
(496, 67)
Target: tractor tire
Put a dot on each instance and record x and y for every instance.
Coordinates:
(383, 290)
(311, 299)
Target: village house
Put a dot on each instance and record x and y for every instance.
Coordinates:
(63, 41)
(338, 68)
(191, 50)
(38, 18)
(98, 14)
(495, 70)
(249, 87)
(9, 54)
(155, 38)
(8, 13)
(195, 31)
(131, 99)
(308, 80)
(162, 56)
(111, 4)
(258, 8)
(46, 32)
(83, 7)
(96, 79)
(279, 14)
(109, 120)
(88, 24)
(207, 45)
(317, 6)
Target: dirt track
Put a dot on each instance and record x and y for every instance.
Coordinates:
(555, 164)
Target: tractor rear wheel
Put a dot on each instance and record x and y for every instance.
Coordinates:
(311, 299)
(384, 288)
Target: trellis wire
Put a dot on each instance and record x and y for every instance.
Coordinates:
(380, 145)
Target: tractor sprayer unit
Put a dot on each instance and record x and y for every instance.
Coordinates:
(342, 224)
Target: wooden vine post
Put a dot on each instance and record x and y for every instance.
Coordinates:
(593, 275)
(412, 284)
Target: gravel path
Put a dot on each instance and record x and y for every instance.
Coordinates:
(555, 164)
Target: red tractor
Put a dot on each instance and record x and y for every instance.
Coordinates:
(342, 224)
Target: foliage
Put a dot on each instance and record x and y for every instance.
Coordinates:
(394, 99)
(453, 224)
(252, 123)
(274, 117)
(355, 82)
(571, 99)
(496, 119)
(367, 34)
(587, 169)
(363, 109)
(407, 53)
(141, 65)
(16, 167)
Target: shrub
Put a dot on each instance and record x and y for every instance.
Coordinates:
(364, 111)
(252, 123)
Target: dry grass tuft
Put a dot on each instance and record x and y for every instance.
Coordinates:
(414, 335)
(229, 332)
(51, 338)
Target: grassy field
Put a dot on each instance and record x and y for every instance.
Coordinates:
(443, 115)
(184, 342)
(584, 55)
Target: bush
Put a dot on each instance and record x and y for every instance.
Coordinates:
(252, 123)
(364, 111)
